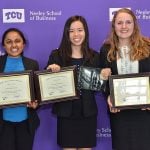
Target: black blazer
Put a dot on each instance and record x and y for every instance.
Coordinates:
(144, 64)
(64, 109)
(29, 64)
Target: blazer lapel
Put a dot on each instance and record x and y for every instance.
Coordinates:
(114, 67)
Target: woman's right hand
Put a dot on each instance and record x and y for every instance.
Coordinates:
(53, 68)
(105, 73)
(112, 110)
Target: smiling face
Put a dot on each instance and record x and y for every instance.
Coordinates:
(77, 33)
(124, 26)
(13, 44)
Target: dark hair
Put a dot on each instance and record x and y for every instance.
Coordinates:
(13, 30)
(65, 45)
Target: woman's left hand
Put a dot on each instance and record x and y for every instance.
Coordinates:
(33, 104)
(148, 108)
(112, 110)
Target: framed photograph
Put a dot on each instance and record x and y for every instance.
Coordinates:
(56, 86)
(130, 91)
(89, 79)
(16, 88)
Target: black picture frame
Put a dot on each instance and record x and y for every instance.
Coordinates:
(16, 88)
(56, 86)
(130, 91)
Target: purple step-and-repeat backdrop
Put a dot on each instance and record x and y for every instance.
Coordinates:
(43, 22)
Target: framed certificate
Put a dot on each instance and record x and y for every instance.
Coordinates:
(56, 86)
(130, 91)
(16, 88)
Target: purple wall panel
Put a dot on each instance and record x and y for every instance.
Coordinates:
(42, 22)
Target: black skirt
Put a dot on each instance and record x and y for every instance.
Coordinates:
(131, 130)
(76, 132)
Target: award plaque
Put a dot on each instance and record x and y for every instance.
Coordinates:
(130, 91)
(56, 86)
(16, 88)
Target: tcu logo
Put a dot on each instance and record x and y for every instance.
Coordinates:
(13, 16)
(112, 11)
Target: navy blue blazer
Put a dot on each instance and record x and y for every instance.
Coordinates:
(64, 109)
(144, 64)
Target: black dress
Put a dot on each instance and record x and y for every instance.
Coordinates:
(77, 131)
(130, 128)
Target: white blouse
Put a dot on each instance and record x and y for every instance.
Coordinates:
(124, 64)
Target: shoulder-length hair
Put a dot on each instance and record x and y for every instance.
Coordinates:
(140, 45)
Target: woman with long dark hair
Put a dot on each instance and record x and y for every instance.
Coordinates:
(76, 119)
